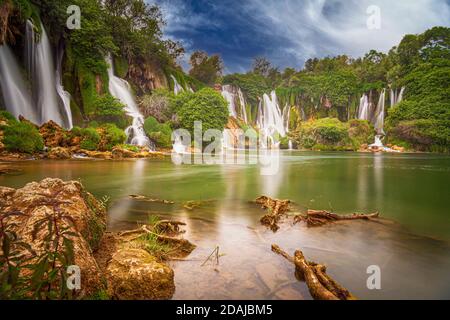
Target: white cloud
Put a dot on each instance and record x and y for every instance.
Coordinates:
(321, 27)
(290, 31)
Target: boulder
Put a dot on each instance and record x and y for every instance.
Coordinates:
(87, 222)
(121, 153)
(133, 274)
(97, 154)
(53, 134)
(59, 153)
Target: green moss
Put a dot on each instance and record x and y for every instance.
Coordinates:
(161, 133)
(6, 116)
(329, 134)
(101, 295)
(129, 147)
(120, 66)
(423, 135)
(21, 136)
(90, 138)
(112, 136)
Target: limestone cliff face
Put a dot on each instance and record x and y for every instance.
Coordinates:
(146, 77)
(6, 9)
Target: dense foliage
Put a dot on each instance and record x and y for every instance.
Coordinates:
(157, 105)
(329, 134)
(206, 106)
(20, 136)
(160, 133)
(204, 68)
(108, 109)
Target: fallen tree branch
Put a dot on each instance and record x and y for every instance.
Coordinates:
(277, 208)
(317, 218)
(320, 285)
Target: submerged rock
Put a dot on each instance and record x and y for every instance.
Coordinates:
(133, 274)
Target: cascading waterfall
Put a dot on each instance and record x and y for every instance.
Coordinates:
(229, 96)
(40, 65)
(243, 105)
(64, 95)
(121, 90)
(380, 111)
(178, 145)
(16, 95)
(397, 97)
(364, 108)
(271, 121)
(379, 122)
(177, 88)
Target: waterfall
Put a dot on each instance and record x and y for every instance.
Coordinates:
(64, 95)
(16, 95)
(178, 145)
(236, 102)
(177, 88)
(40, 65)
(271, 121)
(396, 98)
(379, 114)
(121, 90)
(228, 95)
(243, 106)
(364, 108)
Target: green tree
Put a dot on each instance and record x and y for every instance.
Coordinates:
(204, 68)
(207, 106)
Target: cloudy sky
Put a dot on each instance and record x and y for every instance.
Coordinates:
(288, 32)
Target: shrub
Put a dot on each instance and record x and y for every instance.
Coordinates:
(360, 132)
(423, 134)
(157, 105)
(111, 136)
(90, 138)
(108, 109)
(158, 132)
(207, 106)
(22, 137)
(6, 116)
(329, 134)
(129, 147)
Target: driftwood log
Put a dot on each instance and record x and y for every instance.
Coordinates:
(317, 218)
(321, 286)
(277, 208)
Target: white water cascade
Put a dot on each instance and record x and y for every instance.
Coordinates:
(271, 121)
(236, 102)
(121, 90)
(379, 114)
(364, 108)
(64, 95)
(397, 97)
(177, 88)
(16, 95)
(42, 73)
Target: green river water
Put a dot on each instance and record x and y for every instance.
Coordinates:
(411, 245)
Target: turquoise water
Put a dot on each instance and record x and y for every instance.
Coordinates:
(410, 245)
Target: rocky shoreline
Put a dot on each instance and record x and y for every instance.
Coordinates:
(112, 266)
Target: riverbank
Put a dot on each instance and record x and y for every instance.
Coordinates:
(54, 225)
